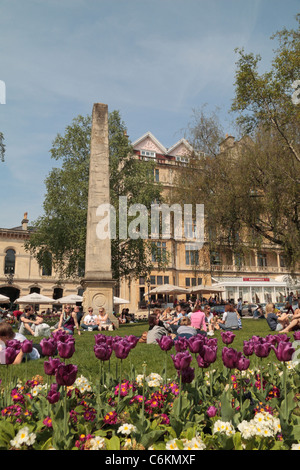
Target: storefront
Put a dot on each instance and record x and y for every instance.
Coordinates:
(253, 289)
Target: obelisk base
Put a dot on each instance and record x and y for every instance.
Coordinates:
(99, 294)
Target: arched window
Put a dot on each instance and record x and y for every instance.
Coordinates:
(10, 261)
(34, 289)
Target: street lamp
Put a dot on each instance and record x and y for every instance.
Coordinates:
(148, 284)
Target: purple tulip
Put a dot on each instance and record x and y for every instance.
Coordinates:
(27, 346)
(100, 338)
(187, 375)
(132, 340)
(248, 348)
(243, 363)
(284, 351)
(122, 349)
(230, 357)
(262, 349)
(61, 335)
(10, 355)
(15, 344)
(165, 343)
(102, 352)
(202, 363)
(66, 374)
(51, 366)
(227, 337)
(182, 360)
(209, 354)
(211, 411)
(48, 346)
(66, 350)
(195, 343)
(53, 394)
(297, 335)
(181, 344)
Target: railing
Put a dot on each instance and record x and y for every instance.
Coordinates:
(256, 269)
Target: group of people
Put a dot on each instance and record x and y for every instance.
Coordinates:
(32, 324)
(187, 322)
(283, 322)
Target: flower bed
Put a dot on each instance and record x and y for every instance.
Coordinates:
(183, 408)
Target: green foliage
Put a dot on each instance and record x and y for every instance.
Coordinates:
(250, 188)
(2, 147)
(61, 231)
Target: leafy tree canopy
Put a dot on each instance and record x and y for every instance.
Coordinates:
(62, 229)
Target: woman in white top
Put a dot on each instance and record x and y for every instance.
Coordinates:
(104, 321)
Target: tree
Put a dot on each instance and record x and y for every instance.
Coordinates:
(250, 188)
(265, 100)
(2, 147)
(62, 229)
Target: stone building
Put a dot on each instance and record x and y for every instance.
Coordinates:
(262, 277)
(20, 273)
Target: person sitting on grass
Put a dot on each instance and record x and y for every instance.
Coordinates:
(185, 329)
(90, 321)
(28, 321)
(7, 334)
(156, 331)
(68, 321)
(294, 323)
(276, 321)
(230, 319)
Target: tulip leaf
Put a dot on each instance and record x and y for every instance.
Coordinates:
(148, 439)
(113, 443)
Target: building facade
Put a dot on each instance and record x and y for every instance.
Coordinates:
(261, 277)
(20, 274)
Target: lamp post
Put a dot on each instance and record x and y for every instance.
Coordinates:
(148, 284)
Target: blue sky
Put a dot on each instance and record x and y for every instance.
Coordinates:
(153, 60)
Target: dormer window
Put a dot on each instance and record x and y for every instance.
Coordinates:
(181, 159)
(148, 153)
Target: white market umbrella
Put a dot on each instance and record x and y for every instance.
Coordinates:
(168, 289)
(207, 289)
(34, 298)
(4, 299)
(69, 299)
(119, 301)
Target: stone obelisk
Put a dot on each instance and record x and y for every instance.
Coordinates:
(98, 283)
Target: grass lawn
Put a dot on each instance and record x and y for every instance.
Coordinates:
(88, 364)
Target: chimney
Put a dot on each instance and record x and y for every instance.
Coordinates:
(25, 222)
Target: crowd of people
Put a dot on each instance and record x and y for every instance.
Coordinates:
(185, 319)
(188, 319)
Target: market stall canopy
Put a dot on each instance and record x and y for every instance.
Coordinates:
(168, 289)
(119, 301)
(4, 299)
(35, 298)
(69, 299)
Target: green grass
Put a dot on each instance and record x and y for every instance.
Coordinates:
(88, 365)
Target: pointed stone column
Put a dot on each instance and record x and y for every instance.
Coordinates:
(98, 282)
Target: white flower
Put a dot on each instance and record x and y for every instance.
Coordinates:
(296, 446)
(172, 445)
(38, 389)
(82, 384)
(23, 437)
(263, 424)
(126, 429)
(97, 443)
(195, 443)
(223, 427)
(154, 380)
